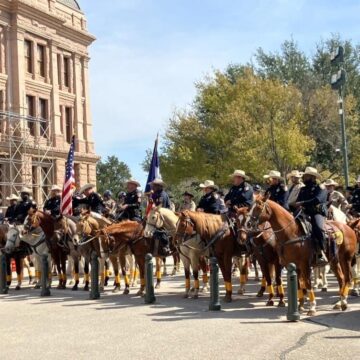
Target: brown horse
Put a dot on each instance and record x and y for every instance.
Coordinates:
(215, 231)
(293, 246)
(263, 247)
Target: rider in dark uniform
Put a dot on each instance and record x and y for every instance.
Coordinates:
(23, 206)
(52, 205)
(10, 211)
(130, 209)
(312, 198)
(159, 196)
(208, 202)
(240, 194)
(92, 200)
(354, 199)
(277, 190)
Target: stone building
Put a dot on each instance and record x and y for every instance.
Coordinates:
(44, 95)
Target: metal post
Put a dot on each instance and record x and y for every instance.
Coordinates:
(214, 304)
(45, 290)
(3, 285)
(343, 136)
(149, 285)
(94, 292)
(292, 286)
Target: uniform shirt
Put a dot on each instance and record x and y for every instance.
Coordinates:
(53, 205)
(188, 206)
(355, 199)
(209, 203)
(277, 193)
(133, 202)
(21, 210)
(161, 198)
(240, 196)
(337, 199)
(10, 213)
(94, 202)
(313, 198)
(293, 194)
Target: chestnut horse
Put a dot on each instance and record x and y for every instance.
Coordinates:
(263, 247)
(293, 246)
(215, 231)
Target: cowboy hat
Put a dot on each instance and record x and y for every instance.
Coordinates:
(55, 188)
(86, 187)
(294, 173)
(25, 190)
(312, 171)
(330, 182)
(133, 181)
(12, 197)
(239, 173)
(273, 174)
(157, 182)
(208, 184)
(186, 193)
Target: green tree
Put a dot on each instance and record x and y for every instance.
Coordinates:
(111, 175)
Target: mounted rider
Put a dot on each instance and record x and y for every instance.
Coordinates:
(208, 202)
(92, 200)
(53, 203)
(294, 177)
(312, 199)
(188, 202)
(23, 206)
(355, 199)
(10, 211)
(130, 209)
(277, 191)
(109, 202)
(334, 197)
(159, 197)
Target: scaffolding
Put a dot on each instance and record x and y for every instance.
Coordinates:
(26, 155)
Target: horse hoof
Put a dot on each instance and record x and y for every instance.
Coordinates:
(204, 289)
(173, 272)
(106, 281)
(337, 307)
(324, 289)
(354, 292)
(157, 286)
(196, 296)
(17, 287)
(311, 313)
(227, 299)
(37, 287)
(74, 288)
(186, 296)
(116, 289)
(260, 294)
(241, 292)
(63, 287)
(140, 293)
(126, 291)
(281, 303)
(301, 309)
(86, 288)
(344, 307)
(270, 303)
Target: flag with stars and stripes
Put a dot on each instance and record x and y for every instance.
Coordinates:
(69, 184)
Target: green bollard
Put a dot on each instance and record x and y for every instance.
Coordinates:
(45, 289)
(94, 292)
(149, 285)
(3, 285)
(292, 286)
(214, 304)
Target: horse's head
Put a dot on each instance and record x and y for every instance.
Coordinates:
(87, 226)
(185, 227)
(12, 239)
(154, 221)
(240, 223)
(259, 213)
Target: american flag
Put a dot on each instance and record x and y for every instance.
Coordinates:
(69, 184)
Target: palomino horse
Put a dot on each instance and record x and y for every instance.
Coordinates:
(294, 246)
(216, 233)
(263, 246)
(35, 238)
(190, 248)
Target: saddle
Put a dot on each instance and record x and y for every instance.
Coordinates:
(161, 243)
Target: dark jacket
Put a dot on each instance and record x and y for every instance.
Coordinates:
(209, 203)
(21, 210)
(240, 196)
(53, 205)
(277, 193)
(355, 199)
(313, 199)
(133, 202)
(94, 202)
(161, 198)
(10, 213)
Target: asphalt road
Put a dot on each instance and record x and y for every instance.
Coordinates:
(67, 325)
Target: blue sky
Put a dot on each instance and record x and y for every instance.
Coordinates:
(149, 54)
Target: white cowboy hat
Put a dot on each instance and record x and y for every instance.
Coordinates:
(239, 173)
(12, 197)
(294, 173)
(157, 182)
(312, 171)
(86, 187)
(330, 182)
(133, 181)
(55, 188)
(358, 179)
(26, 190)
(273, 174)
(208, 184)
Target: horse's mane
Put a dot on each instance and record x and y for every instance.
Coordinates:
(170, 216)
(283, 212)
(121, 228)
(207, 225)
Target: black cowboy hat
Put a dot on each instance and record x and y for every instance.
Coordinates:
(186, 193)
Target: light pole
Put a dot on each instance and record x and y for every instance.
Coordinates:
(337, 83)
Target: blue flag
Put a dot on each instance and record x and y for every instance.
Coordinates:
(154, 171)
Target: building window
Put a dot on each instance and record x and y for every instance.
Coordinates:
(77, 175)
(45, 181)
(28, 56)
(68, 124)
(30, 103)
(43, 112)
(66, 71)
(59, 68)
(61, 119)
(41, 59)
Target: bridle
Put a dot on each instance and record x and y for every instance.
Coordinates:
(188, 223)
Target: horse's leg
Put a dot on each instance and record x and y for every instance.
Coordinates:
(225, 264)
(107, 272)
(312, 298)
(102, 273)
(122, 259)
(243, 274)
(141, 262)
(196, 282)
(70, 269)
(76, 272)
(267, 275)
(158, 262)
(19, 268)
(175, 260)
(201, 260)
(27, 264)
(115, 264)
(317, 278)
(254, 262)
(164, 266)
(63, 268)
(186, 263)
(336, 268)
(346, 269)
(279, 284)
(301, 297)
(8, 270)
(355, 276)
(86, 274)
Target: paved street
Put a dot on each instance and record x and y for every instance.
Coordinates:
(69, 326)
